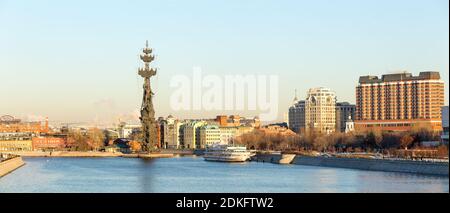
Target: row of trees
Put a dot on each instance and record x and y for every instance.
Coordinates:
(338, 142)
(95, 140)
(92, 140)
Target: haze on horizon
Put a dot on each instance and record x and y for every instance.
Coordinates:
(76, 61)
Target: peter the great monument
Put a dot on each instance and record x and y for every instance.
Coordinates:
(147, 118)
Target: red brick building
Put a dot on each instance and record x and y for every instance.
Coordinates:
(236, 120)
(46, 143)
(399, 102)
(11, 124)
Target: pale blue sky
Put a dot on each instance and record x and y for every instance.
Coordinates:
(77, 60)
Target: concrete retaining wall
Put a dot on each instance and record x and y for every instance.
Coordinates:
(10, 165)
(178, 151)
(417, 167)
(66, 154)
(269, 158)
(199, 152)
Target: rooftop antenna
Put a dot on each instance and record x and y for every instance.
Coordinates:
(295, 98)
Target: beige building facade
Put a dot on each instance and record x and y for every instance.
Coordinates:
(320, 110)
(191, 133)
(16, 145)
(209, 135)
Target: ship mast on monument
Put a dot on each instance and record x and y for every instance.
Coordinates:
(147, 117)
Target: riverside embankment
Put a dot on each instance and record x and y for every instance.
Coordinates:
(387, 165)
(9, 165)
(90, 154)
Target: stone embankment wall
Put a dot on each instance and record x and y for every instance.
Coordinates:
(267, 158)
(199, 152)
(67, 154)
(408, 166)
(177, 151)
(151, 155)
(10, 165)
(76, 154)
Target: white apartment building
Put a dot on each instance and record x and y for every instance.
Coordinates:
(125, 129)
(191, 134)
(320, 110)
(228, 133)
(209, 135)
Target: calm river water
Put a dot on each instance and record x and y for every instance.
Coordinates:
(193, 174)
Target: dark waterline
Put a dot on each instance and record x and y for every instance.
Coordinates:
(193, 174)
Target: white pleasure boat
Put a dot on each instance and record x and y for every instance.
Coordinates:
(227, 153)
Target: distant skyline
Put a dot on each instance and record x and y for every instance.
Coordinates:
(76, 61)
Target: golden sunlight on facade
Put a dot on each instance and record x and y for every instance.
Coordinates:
(399, 102)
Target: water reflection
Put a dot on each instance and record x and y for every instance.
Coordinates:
(146, 177)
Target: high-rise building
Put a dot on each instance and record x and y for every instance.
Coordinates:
(344, 110)
(399, 102)
(320, 110)
(296, 120)
(445, 125)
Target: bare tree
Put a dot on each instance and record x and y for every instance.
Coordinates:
(96, 138)
(77, 140)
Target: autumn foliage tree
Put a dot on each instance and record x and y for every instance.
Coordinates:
(263, 141)
(135, 146)
(371, 141)
(442, 151)
(405, 141)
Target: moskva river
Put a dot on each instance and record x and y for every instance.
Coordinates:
(193, 174)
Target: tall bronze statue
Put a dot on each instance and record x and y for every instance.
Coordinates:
(147, 118)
